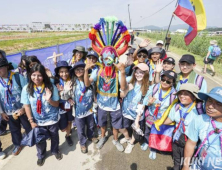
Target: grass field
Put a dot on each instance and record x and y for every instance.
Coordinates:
(181, 51)
(13, 42)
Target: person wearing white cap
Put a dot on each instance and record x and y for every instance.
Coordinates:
(209, 59)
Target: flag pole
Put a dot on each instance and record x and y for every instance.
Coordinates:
(170, 23)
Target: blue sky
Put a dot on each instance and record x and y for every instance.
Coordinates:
(89, 11)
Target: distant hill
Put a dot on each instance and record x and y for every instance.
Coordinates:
(176, 27)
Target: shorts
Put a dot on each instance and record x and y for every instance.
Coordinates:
(209, 61)
(64, 119)
(128, 122)
(116, 118)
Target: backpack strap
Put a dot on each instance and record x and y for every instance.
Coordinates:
(17, 79)
(155, 89)
(199, 81)
(172, 98)
(199, 107)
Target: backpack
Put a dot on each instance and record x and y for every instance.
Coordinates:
(216, 51)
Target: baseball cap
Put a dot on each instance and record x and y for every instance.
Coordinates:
(159, 42)
(187, 58)
(170, 74)
(131, 51)
(215, 93)
(142, 66)
(192, 88)
(144, 50)
(169, 60)
(93, 53)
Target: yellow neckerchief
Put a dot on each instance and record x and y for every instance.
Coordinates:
(181, 77)
(73, 60)
(191, 107)
(152, 64)
(65, 81)
(42, 88)
(160, 121)
(10, 78)
(136, 62)
(168, 91)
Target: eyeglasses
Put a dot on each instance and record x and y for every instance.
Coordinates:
(141, 55)
(167, 81)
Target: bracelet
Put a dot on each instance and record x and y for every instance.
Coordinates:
(31, 118)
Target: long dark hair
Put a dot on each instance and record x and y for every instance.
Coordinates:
(21, 64)
(46, 80)
(29, 60)
(145, 82)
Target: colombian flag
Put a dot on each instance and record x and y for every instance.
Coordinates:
(185, 12)
(162, 139)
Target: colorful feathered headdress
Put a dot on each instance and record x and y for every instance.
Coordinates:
(109, 38)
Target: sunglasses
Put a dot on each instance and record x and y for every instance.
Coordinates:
(167, 81)
(92, 58)
(141, 55)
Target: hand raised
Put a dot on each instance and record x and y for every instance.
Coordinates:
(47, 95)
(159, 66)
(145, 43)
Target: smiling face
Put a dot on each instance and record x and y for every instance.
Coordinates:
(166, 82)
(79, 71)
(155, 56)
(141, 57)
(78, 55)
(213, 108)
(167, 66)
(186, 67)
(37, 78)
(64, 73)
(139, 74)
(186, 97)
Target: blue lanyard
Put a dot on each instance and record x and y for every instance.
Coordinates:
(61, 82)
(184, 116)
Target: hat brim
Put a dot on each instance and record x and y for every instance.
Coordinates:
(170, 77)
(143, 51)
(91, 55)
(74, 67)
(204, 96)
(75, 50)
(188, 61)
(10, 66)
(195, 94)
(56, 70)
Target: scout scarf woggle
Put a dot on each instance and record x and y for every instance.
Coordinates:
(39, 98)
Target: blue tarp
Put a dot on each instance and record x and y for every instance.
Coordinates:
(44, 53)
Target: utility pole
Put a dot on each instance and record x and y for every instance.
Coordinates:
(129, 16)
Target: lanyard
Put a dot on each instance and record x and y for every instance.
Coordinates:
(83, 91)
(216, 131)
(183, 81)
(183, 117)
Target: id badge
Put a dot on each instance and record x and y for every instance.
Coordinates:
(177, 135)
(67, 105)
(203, 153)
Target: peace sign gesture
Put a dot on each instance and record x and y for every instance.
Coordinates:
(89, 64)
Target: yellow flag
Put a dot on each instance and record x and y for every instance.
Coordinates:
(200, 14)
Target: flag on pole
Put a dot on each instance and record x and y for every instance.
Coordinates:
(200, 14)
(185, 12)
